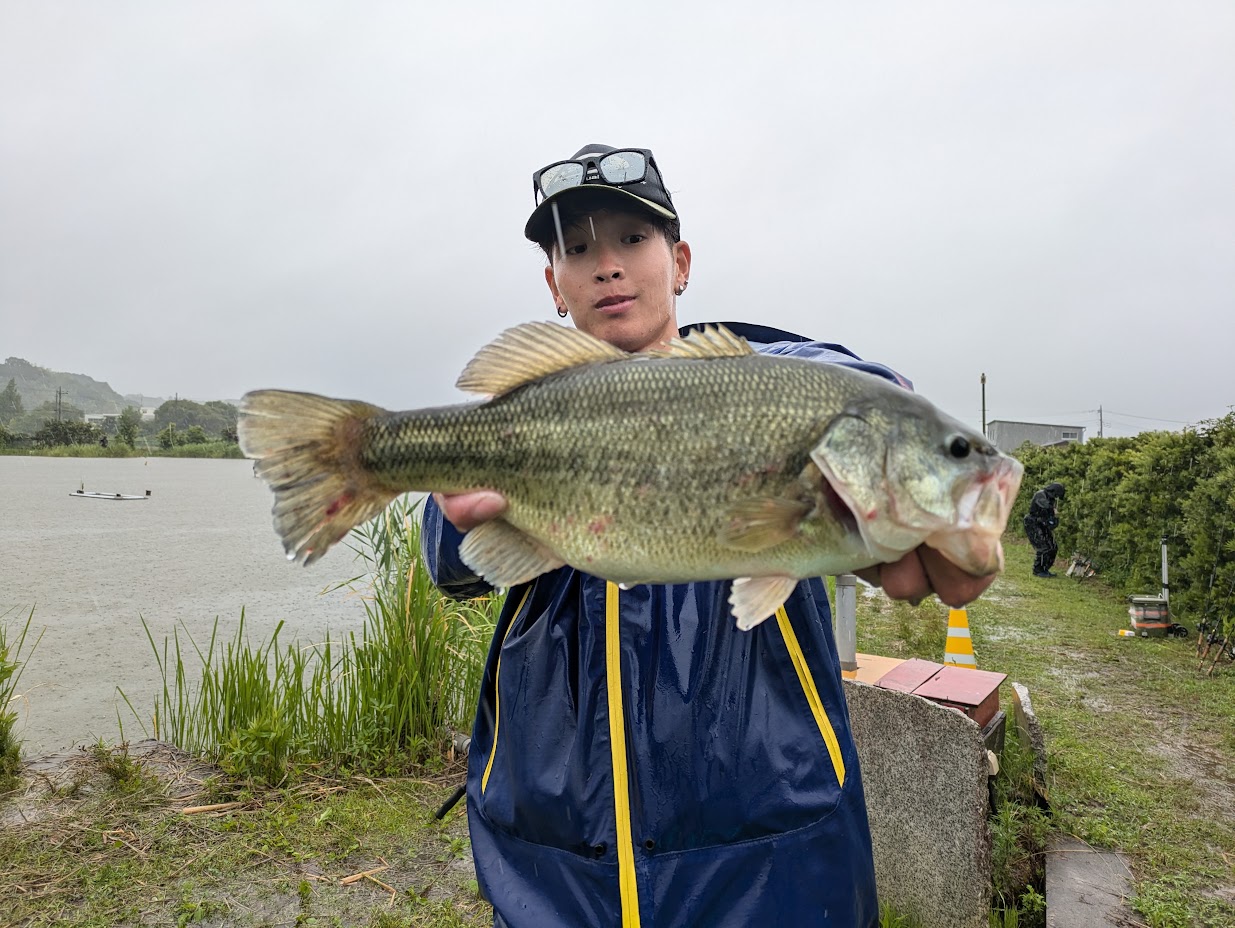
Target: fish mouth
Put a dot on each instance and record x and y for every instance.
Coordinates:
(613, 303)
(841, 511)
(973, 541)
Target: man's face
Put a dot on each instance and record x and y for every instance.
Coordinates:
(616, 278)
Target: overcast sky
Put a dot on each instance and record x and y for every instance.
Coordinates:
(207, 198)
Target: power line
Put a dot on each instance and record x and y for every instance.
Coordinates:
(1148, 418)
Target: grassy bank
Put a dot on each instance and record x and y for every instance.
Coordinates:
(210, 449)
(294, 783)
(1141, 741)
(379, 703)
(14, 655)
(107, 837)
(1142, 759)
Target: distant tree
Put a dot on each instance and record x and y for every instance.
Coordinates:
(67, 432)
(230, 434)
(5, 436)
(10, 403)
(128, 425)
(226, 411)
(213, 416)
(32, 421)
(196, 435)
(68, 412)
(168, 437)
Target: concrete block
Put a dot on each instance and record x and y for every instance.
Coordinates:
(1085, 887)
(924, 769)
(1029, 729)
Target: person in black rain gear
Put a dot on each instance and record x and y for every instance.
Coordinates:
(1040, 524)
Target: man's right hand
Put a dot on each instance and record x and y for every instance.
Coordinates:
(465, 511)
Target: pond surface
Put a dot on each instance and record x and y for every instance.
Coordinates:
(201, 547)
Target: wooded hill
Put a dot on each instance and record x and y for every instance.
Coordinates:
(38, 385)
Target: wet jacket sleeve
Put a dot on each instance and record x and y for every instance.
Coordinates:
(439, 543)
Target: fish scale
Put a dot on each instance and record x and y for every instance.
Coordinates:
(655, 447)
(701, 461)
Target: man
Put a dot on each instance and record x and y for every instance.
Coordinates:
(636, 758)
(1040, 524)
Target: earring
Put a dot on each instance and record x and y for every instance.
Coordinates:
(681, 288)
(561, 311)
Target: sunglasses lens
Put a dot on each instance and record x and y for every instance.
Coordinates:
(559, 177)
(623, 167)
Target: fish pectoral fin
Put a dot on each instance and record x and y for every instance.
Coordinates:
(712, 341)
(754, 599)
(756, 524)
(505, 556)
(529, 352)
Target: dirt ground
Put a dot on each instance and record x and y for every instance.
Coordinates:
(227, 863)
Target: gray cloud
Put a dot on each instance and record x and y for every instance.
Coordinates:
(208, 198)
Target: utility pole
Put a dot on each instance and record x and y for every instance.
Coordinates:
(1099, 421)
(59, 402)
(984, 406)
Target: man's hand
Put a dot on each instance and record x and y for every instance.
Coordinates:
(924, 571)
(465, 511)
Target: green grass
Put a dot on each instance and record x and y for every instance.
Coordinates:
(381, 703)
(115, 449)
(1141, 744)
(117, 849)
(12, 661)
(1141, 741)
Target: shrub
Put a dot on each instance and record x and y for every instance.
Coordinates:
(1124, 495)
(379, 704)
(11, 665)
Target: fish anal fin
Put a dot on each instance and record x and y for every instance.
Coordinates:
(712, 341)
(505, 556)
(756, 524)
(754, 599)
(529, 352)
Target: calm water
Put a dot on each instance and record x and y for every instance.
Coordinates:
(202, 546)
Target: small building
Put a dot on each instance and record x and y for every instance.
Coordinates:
(1011, 435)
(102, 419)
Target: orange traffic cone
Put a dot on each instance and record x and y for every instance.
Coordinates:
(959, 649)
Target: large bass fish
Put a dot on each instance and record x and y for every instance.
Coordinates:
(699, 460)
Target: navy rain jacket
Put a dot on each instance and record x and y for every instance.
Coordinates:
(637, 760)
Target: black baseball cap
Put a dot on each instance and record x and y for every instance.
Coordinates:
(649, 193)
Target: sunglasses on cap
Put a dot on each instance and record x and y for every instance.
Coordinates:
(624, 166)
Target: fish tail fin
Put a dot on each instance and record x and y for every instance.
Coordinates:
(309, 450)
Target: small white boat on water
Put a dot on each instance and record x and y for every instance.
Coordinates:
(83, 493)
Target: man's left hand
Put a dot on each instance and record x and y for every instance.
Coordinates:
(924, 571)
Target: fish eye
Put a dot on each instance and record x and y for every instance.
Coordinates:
(959, 446)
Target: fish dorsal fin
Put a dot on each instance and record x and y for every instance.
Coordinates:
(529, 352)
(712, 341)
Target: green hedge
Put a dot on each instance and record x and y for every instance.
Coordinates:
(1126, 494)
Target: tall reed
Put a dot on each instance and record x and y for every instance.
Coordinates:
(11, 666)
(380, 702)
